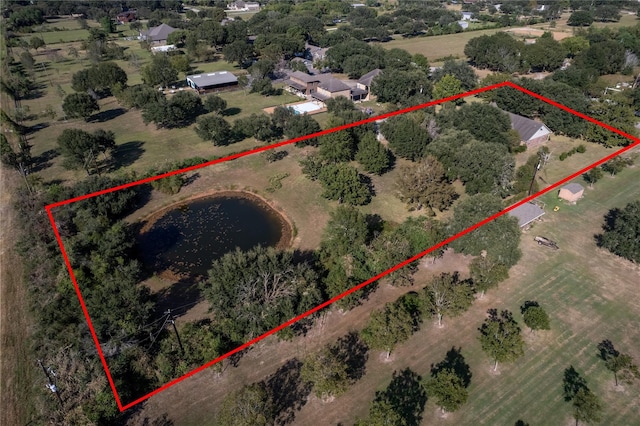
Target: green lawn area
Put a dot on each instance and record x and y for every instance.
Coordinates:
(56, 37)
(436, 47)
(589, 294)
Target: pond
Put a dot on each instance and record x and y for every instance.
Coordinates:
(182, 241)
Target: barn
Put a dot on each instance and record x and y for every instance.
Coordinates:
(212, 82)
(571, 192)
(526, 213)
(532, 133)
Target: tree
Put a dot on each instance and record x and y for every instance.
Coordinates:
(400, 87)
(620, 364)
(108, 26)
(36, 43)
(486, 273)
(498, 238)
(372, 155)
(407, 139)
(447, 86)
(337, 147)
(79, 105)
(425, 184)
(327, 372)
(498, 52)
(593, 176)
(214, 103)
(213, 128)
(238, 51)
(105, 75)
(500, 337)
(448, 389)
(401, 403)
(254, 291)
(343, 183)
(260, 126)
(446, 294)
(622, 231)
(535, 317)
(546, 54)
(179, 111)
(81, 148)
(462, 71)
(580, 18)
(606, 57)
(586, 407)
(20, 160)
(347, 228)
(181, 63)
(572, 382)
(616, 165)
(160, 72)
(248, 406)
(387, 328)
(614, 114)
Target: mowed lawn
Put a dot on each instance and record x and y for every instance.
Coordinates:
(589, 294)
(437, 47)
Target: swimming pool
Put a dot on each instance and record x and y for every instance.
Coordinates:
(310, 106)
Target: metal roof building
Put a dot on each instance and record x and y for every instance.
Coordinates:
(526, 213)
(212, 80)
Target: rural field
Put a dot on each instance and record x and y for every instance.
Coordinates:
(589, 294)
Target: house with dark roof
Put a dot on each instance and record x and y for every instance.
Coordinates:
(124, 17)
(157, 35)
(571, 192)
(212, 82)
(364, 82)
(526, 213)
(532, 133)
(323, 86)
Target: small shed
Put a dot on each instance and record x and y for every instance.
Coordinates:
(526, 213)
(213, 81)
(571, 192)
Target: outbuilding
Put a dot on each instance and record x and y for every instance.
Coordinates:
(571, 192)
(526, 213)
(212, 82)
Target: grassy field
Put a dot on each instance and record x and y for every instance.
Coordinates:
(17, 365)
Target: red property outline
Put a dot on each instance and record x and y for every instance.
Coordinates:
(49, 208)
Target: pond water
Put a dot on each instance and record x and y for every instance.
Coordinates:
(185, 240)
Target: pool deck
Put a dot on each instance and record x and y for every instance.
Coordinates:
(270, 110)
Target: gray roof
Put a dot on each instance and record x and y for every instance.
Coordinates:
(333, 85)
(526, 213)
(525, 127)
(302, 76)
(213, 78)
(368, 77)
(573, 187)
(161, 32)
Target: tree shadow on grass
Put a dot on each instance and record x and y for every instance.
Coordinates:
(454, 361)
(287, 391)
(110, 114)
(354, 352)
(406, 395)
(231, 111)
(43, 160)
(126, 154)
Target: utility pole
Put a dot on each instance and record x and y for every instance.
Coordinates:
(173, 323)
(533, 178)
(51, 386)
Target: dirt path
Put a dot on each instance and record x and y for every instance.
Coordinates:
(16, 371)
(194, 401)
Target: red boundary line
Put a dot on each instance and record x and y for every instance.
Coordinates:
(49, 208)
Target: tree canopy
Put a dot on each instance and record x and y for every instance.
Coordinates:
(500, 337)
(255, 291)
(621, 234)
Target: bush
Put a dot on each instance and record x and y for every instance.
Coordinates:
(581, 149)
